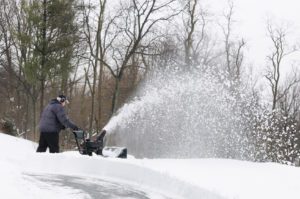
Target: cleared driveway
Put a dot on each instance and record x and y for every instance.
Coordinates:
(93, 188)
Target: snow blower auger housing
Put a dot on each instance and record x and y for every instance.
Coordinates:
(87, 147)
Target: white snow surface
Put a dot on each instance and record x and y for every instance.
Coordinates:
(175, 178)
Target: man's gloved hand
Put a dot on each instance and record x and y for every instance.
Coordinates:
(76, 128)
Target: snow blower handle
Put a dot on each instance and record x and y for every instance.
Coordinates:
(80, 137)
(79, 134)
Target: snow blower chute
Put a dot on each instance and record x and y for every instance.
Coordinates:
(88, 147)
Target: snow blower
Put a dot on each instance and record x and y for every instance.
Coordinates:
(87, 147)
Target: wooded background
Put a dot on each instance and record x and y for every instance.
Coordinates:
(97, 53)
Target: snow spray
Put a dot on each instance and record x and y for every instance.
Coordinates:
(181, 115)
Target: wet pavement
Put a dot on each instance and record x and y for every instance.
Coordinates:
(95, 188)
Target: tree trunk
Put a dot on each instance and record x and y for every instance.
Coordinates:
(43, 61)
(115, 96)
(42, 91)
(34, 119)
(100, 97)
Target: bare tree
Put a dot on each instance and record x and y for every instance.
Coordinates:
(99, 41)
(191, 23)
(289, 95)
(6, 48)
(195, 32)
(11, 22)
(94, 48)
(135, 23)
(233, 50)
(280, 50)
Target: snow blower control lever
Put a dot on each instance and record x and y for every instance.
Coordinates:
(87, 147)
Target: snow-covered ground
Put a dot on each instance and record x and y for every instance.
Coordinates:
(175, 178)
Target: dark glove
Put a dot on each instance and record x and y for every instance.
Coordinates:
(76, 128)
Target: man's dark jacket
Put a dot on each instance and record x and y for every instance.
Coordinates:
(54, 118)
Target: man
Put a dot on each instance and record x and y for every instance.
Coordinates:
(52, 121)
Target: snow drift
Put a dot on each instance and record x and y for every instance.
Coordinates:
(175, 178)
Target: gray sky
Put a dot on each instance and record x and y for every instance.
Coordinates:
(251, 17)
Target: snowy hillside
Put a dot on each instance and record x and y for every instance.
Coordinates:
(180, 178)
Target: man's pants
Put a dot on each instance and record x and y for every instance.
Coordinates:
(49, 139)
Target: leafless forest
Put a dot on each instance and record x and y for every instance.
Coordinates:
(98, 52)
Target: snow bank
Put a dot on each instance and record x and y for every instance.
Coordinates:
(23, 159)
(117, 170)
(15, 154)
(232, 178)
(180, 178)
